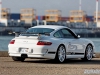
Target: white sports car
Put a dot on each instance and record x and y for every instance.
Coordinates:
(49, 41)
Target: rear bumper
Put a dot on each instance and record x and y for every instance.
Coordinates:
(48, 56)
(33, 51)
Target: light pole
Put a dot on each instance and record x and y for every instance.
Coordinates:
(0, 9)
(80, 5)
(97, 10)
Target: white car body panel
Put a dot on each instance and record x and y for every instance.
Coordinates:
(75, 48)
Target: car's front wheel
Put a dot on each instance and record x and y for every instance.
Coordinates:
(88, 53)
(61, 54)
(18, 58)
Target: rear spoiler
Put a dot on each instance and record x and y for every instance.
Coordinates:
(16, 33)
(40, 35)
(24, 33)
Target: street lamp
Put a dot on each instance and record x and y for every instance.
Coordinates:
(0, 8)
(97, 10)
(80, 2)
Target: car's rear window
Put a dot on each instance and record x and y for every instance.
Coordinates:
(39, 30)
(36, 31)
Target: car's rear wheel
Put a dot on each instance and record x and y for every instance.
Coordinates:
(61, 54)
(18, 58)
(88, 53)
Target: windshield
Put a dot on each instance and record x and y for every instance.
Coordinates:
(35, 31)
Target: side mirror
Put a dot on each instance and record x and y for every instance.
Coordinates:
(78, 36)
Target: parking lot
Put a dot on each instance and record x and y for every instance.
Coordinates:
(48, 67)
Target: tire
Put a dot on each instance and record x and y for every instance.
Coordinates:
(18, 58)
(88, 53)
(61, 54)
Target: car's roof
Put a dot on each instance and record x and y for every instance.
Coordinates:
(49, 26)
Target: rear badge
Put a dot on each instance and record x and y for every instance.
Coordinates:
(25, 41)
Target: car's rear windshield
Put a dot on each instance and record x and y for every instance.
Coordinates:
(39, 30)
(32, 31)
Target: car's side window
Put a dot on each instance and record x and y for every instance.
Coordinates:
(58, 34)
(67, 34)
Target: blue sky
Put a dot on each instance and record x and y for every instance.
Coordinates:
(41, 5)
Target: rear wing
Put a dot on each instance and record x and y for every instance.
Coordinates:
(34, 34)
(40, 36)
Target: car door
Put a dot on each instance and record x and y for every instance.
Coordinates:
(73, 43)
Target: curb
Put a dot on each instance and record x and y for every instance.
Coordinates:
(97, 55)
(4, 54)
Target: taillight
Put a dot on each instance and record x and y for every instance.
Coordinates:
(12, 42)
(44, 43)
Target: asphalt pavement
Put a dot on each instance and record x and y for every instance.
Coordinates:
(49, 67)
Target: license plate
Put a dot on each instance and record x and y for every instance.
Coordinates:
(24, 50)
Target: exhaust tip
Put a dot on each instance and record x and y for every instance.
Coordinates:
(24, 56)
